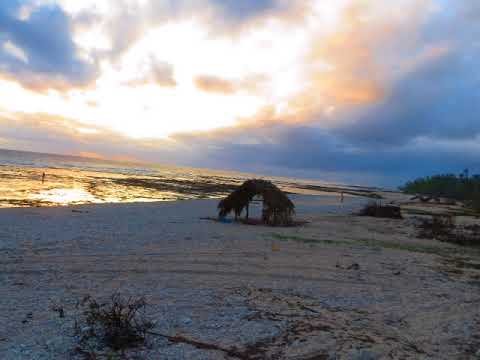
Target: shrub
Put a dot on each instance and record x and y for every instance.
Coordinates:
(119, 323)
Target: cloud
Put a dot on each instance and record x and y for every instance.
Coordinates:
(215, 84)
(38, 50)
(387, 93)
(47, 133)
(210, 83)
(356, 62)
(242, 10)
(436, 99)
(155, 72)
(307, 150)
(126, 21)
(404, 102)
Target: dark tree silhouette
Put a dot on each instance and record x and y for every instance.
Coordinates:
(463, 187)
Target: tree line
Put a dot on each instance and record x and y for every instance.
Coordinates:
(463, 187)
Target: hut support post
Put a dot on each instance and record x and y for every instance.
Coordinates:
(247, 209)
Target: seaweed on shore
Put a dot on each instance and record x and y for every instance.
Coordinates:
(351, 190)
(443, 228)
(187, 187)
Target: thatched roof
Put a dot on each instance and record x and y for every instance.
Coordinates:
(278, 209)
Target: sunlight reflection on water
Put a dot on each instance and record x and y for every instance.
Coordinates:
(23, 186)
(65, 196)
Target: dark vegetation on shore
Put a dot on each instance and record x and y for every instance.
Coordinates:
(184, 187)
(375, 209)
(461, 187)
(444, 228)
(350, 190)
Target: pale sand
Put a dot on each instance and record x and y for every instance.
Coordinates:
(293, 291)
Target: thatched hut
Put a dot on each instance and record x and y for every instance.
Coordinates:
(278, 209)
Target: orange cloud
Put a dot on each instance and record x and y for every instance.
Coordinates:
(352, 65)
(42, 84)
(351, 73)
(41, 126)
(48, 133)
(215, 84)
(90, 155)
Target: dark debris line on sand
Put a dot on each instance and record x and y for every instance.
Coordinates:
(252, 351)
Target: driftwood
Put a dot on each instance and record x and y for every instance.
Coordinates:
(439, 200)
(424, 199)
(177, 339)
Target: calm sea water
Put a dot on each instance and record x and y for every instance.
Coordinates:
(74, 180)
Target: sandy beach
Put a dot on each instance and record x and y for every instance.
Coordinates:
(340, 287)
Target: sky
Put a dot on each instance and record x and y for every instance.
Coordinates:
(357, 91)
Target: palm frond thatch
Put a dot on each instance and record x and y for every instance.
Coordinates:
(278, 209)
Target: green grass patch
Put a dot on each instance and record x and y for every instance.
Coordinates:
(371, 243)
(462, 212)
(306, 240)
(405, 247)
(418, 212)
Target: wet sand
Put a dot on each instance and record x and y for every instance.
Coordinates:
(340, 287)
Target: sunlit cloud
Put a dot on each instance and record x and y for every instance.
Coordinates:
(15, 51)
(214, 84)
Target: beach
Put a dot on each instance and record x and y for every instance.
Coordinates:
(339, 287)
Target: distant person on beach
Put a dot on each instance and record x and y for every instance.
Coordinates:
(43, 178)
(341, 197)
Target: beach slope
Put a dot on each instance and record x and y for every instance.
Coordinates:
(341, 286)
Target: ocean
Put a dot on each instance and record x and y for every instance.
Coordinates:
(73, 180)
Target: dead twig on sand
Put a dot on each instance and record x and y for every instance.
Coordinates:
(249, 354)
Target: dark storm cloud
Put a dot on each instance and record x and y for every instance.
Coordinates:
(429, 123)
(289, 151)
(439, 100)
(45, 39)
